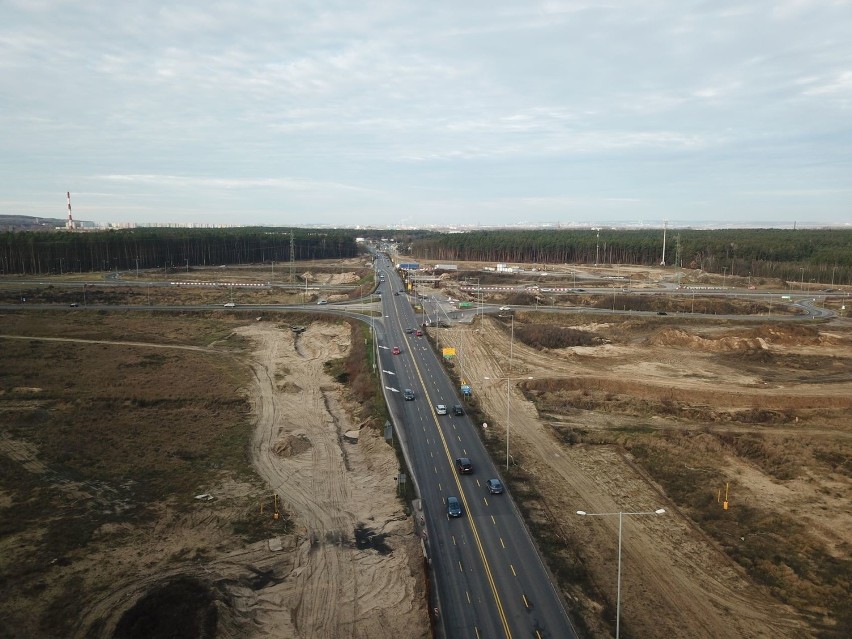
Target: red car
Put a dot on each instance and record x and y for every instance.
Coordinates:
(395, 350)
(419, 333)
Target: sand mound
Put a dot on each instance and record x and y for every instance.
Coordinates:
(789, 334)
(291, 445)
(680, 338)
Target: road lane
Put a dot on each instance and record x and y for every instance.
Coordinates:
(491, 581)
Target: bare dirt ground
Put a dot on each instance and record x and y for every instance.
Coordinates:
(676, 581)
(332, 488)
(349, 565)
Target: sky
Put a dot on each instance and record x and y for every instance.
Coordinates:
(404, 113)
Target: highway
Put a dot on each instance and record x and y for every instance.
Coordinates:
(490, 580)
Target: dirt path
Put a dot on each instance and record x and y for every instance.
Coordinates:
(334, 590)
(317, 582)
(675, 583)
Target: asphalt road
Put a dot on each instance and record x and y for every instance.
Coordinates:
(490, 580)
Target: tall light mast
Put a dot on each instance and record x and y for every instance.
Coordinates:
(663, 260)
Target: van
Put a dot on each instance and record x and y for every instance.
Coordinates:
(453, 507)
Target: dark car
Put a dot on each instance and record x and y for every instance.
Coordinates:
(495, 486)
(458, 410)
(661, 313)
(454, 507)
(409, 331)
(408, 394)
(464, 465)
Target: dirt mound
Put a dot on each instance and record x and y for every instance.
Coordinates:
(291, 445)
(343, 278)
(789, 334)
(681, 338)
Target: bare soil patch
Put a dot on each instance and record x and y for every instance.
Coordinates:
(126, 486)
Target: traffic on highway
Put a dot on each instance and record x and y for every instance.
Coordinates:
(489, 578)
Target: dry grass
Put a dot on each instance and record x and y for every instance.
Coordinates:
(96, 437)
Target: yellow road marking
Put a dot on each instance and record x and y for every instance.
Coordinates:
(469, 520)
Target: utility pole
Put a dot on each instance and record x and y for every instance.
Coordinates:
(292, 257)
(597, 247)
(677, 258)
(665, 226)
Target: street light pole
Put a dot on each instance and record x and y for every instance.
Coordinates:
(620, 514)
(512, 344)
(509, 380)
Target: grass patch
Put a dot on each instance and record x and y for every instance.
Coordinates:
(776, 550)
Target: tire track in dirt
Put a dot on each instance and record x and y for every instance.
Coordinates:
(321, 586)
(330, 591)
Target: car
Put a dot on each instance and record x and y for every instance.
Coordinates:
(322, 302)
(495, 486)
(464, 465)
(397, 294)
(409, 331)
(395, 350)
(440, 409)
(418, 333)
(408, 394)
(661, 313)
(229, 305)
(454, 507)
(73, 305)
(505, 308)
(458, 410)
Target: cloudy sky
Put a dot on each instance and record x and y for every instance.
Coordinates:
(428, 113)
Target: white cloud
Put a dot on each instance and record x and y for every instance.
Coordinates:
(368, 106)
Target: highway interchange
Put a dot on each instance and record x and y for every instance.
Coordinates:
(488, 578)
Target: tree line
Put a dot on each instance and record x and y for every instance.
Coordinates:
(824, 255)
(36, 253)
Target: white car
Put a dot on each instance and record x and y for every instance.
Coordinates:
(229, 305)
(440, 409)
(505, 308)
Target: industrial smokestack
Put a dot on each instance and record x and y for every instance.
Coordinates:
(69, 223)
